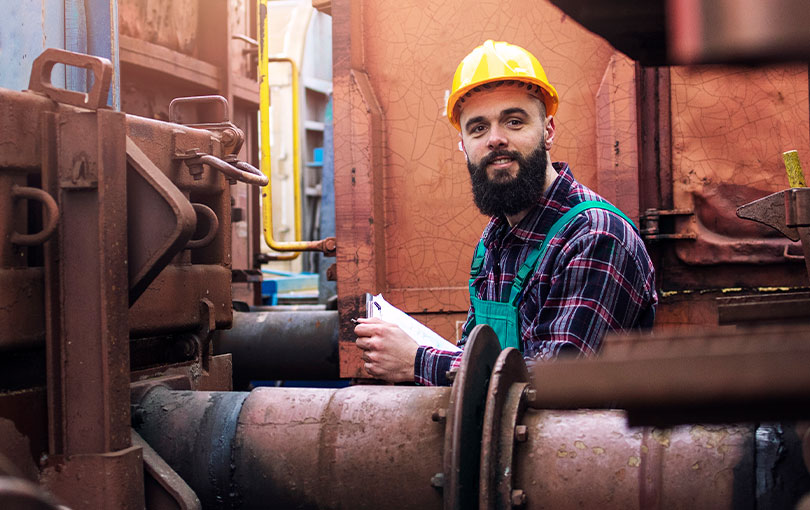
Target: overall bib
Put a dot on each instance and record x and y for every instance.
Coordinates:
(502, 316)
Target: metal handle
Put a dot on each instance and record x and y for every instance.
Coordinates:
(51, 210)
(240, 170)
(102, 71)
(174, 107)
(213, 227)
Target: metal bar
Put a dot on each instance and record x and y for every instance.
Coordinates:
(281, 345)
(756, 374)
(94, 357)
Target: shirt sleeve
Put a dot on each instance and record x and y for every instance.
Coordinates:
(431, 365)
(599, 286)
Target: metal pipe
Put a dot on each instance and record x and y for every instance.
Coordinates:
(592, 459)
(281, 345)
(266, 163)
(362, 447)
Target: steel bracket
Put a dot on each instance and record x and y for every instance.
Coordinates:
(654, 229)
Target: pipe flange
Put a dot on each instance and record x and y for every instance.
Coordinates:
(505, 402)
(465, 419)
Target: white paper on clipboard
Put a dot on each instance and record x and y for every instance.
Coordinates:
(377, 306)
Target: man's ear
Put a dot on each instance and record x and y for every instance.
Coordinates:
(462, 148)
(551, 130)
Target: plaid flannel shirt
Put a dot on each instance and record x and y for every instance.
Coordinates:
(596, 276)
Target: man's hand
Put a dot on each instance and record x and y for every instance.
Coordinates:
(388, 352)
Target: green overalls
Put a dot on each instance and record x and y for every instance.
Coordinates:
(502, 316)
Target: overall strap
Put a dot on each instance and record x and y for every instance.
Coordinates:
(477, 262)
(534, 257)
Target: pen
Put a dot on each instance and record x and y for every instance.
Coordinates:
(354, 321)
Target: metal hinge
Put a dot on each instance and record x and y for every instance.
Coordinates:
(659, 224)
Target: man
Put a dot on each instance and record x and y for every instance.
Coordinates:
(557, 266)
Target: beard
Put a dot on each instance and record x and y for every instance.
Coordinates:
(516, 194)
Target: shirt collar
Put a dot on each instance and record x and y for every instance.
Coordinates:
(540, 217)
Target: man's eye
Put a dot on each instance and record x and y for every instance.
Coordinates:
(478, 129)
(514, 122)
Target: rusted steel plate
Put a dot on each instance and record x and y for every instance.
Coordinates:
(729, 130)
(22, 314)
(617, 136)
(171, 302)
(111, 480)
(403, 203)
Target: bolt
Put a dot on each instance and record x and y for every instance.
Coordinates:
(518, 497)
(439, 415)
(531, 394)
(521, 433)
(437, 480)
(228, 136)
(451, 375)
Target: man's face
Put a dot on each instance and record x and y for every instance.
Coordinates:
(505, 136)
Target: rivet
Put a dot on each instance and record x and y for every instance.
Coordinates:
(518, 498)
(521, 433)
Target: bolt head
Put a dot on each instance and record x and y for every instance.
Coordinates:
(518, 497)
(531, 395)
(521, 433)
(437, 480)
(439, 415)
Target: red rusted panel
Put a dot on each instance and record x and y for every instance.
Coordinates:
(729, 129)
(617, 136)
(404, 211)
(169, 23)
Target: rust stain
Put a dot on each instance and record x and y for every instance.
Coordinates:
(634, 461)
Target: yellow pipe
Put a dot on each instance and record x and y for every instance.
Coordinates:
(264, 119)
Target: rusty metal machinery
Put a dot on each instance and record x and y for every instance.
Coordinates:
(115, 247)
(287, 345)
(114, 303)
(479, 444)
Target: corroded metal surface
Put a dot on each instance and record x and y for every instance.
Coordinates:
(362, 447)
(281, 345)
(591, 459)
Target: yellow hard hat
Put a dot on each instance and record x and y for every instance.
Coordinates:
(496, 61)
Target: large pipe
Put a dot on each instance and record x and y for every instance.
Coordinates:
(393, 447)
(363, 447)
(281, 345)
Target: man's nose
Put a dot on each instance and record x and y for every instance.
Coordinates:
(497, 138)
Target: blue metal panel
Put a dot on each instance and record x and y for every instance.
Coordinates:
(327, 289)
(27, 27)
(91, 26)
(102, 40)
(85, 26)
(76, 40)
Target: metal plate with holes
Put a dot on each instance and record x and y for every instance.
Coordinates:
(509, 381)
(462, 443)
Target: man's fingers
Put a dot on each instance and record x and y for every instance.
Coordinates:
(370, 369)
(363, 342)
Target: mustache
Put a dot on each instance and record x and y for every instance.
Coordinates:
(492, 156)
